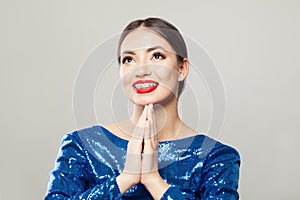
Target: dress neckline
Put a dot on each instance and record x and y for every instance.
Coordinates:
(193, 137)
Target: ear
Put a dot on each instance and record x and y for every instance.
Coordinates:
(183, 69)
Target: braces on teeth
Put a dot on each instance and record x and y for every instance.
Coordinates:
(144, 85)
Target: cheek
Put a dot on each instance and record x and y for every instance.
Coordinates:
(168, 77)
(126, 79)
(126, 75)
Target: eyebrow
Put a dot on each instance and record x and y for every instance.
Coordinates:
(154, 48)
(148, 50)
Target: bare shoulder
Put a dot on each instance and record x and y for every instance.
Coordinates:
(111, 127)
(119, 129)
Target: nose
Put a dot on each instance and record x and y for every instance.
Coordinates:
(142, 71)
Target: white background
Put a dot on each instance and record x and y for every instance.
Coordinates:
(254, 44)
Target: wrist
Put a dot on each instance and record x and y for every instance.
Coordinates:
(156, 186)
(125, 182)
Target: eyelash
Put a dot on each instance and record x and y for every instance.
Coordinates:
(125, 59)
(157, 54)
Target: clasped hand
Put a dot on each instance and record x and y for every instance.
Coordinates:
(141, 164)
(141, 157)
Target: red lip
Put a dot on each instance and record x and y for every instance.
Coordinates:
(152, 85)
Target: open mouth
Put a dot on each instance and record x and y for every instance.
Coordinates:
(144, 86)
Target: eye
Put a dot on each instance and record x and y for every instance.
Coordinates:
(158, 56)
(127, 59)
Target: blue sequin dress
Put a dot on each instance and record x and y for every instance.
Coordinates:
(196, 167)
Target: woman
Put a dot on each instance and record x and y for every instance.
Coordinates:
(152, 155)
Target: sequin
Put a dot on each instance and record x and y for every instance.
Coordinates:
(89, 161)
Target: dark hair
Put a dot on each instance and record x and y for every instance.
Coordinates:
(166, 30)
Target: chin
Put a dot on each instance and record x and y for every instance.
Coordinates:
(142, 101)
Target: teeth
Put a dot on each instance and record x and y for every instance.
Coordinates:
(144, 85)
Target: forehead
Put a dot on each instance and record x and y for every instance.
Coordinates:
(144, 38)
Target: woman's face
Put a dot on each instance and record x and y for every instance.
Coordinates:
(148, 68)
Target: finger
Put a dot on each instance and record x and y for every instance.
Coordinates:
(133, 163)
(150, 162)
(151, 129)
(150, 107)
(144, 130)
(139, 128)
(147, 130)
(147, 112)
(153, 124)
(150, 143)
(137, 132)
(143, 117)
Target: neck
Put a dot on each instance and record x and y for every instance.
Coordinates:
(167, 119)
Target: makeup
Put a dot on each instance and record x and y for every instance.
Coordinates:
(144, 86)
